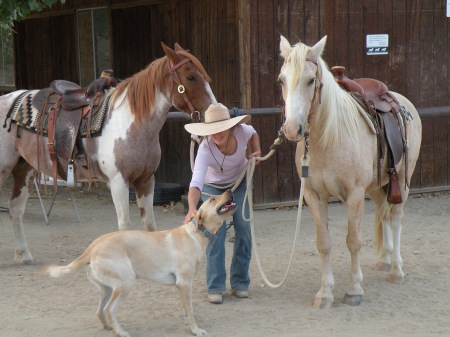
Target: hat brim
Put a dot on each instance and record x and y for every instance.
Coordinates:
(206, 129)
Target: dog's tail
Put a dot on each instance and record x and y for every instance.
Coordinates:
(57, 271)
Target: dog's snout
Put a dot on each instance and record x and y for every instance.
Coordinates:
(229, 194)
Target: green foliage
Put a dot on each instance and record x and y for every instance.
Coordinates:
(16, 10)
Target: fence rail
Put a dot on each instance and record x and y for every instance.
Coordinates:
(277, 182)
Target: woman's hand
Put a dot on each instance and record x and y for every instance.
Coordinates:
(256, 154)
(190, 215)
(193, 199)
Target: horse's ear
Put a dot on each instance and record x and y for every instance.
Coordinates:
(171, 54)
(178, 47)
(319, 47)
(285, 46)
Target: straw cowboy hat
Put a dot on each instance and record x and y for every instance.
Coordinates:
(217, 119)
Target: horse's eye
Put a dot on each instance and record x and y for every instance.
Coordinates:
(311, 81)
(212, 199)
(191, 78)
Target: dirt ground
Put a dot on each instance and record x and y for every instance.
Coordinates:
(32, 305)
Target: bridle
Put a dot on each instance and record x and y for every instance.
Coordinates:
(195, 114)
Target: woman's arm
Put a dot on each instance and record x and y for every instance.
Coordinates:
(254, 146)
(193, 199)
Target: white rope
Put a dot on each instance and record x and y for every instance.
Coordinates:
(194, 139)
(249, 171)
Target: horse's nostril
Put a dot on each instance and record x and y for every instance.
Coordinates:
(299, 132)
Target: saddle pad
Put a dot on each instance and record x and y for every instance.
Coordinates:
(98, 116)
(24, 114)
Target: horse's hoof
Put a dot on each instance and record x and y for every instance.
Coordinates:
(353, 300)
(25, 259)
(322, 303)
(29, 263)
(150, 228)
(382, 266)
(397, 278)
(107, 327)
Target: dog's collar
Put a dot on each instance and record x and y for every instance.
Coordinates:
(205, 232)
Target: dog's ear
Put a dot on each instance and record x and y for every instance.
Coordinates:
(198, 217)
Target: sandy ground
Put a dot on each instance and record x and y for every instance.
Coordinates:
(32, 305)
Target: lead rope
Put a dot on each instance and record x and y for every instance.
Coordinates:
(250, 170)
(248, 199)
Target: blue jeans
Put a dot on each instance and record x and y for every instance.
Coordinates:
(216, 274)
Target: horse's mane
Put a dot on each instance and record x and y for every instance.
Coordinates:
(141, 88)
(337, 111)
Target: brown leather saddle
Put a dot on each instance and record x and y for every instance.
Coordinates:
(382, 108)
(65, 104)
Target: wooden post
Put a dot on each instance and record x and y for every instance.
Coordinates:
(244, 53)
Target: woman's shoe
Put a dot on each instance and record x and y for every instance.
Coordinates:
(215, 298)
(241, 293)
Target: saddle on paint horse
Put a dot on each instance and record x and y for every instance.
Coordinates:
(383, 110)
(66, 104)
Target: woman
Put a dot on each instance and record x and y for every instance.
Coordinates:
(221, 157)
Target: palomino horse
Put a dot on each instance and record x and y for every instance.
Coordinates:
(127, 153)
(342, 150)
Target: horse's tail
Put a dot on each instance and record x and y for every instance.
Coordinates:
(382, 212)
(57, 271)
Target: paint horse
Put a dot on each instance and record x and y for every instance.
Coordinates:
(127, 151)
(337, 135)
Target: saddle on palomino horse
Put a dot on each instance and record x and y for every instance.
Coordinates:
(66, 104)
(383, 110)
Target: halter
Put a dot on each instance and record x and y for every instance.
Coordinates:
(317, 99)
(195, 115)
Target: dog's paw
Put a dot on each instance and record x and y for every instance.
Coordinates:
(121, 333)
(199, 332)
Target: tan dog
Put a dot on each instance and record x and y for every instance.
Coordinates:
(114, 261)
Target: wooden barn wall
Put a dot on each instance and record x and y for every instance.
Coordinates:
(46, 43)
(417, 66)
(227, 35)
(208, 28)
(46, 49)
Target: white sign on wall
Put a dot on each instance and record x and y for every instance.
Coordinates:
(377, 44)
(448, 8)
